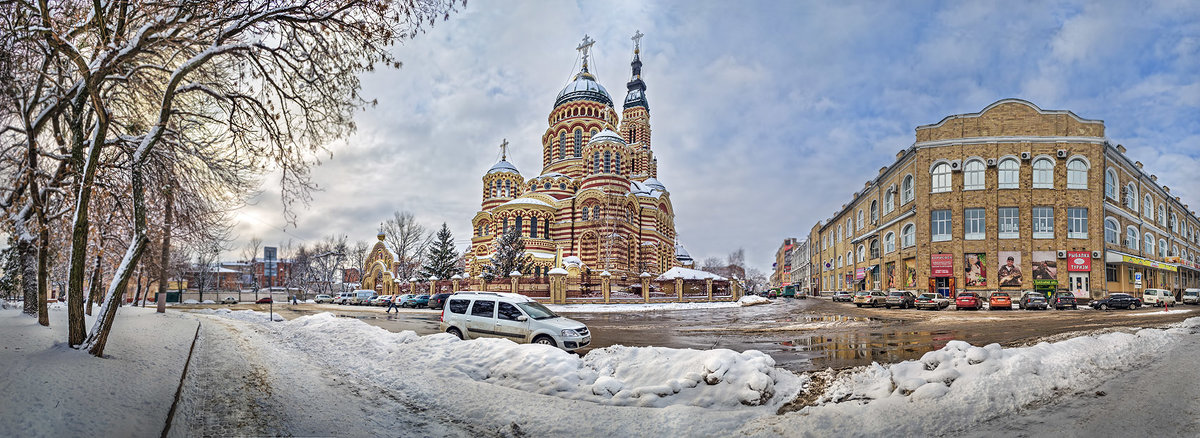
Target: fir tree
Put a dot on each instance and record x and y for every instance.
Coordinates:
(510, 256)
(442, 261)
(10, 273)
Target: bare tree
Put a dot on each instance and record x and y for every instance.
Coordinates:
(408, 239)
(250, 255)
(358, 256)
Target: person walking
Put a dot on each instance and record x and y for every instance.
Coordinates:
(392, 305)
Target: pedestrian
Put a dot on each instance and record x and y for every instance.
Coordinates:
(294, 300)
(392, 305)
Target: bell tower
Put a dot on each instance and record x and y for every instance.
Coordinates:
(635, 118)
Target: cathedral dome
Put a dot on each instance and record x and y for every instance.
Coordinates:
(655, 184)
(584, 87)
(503, 166)
(606, 135)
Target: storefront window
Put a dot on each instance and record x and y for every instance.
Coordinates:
(1110, 273)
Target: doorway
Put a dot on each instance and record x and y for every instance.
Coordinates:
(1080, 284)
(941, 286)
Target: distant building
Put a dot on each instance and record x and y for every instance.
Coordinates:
(781, 275)
(800, 264)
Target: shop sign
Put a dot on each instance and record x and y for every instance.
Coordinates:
(941, 265)
(860, 273)
(1045, 283)
(1150, 263)
(1079, 261)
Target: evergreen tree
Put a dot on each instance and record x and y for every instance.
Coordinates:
(442, 261)
(510, 256)
(10, 272)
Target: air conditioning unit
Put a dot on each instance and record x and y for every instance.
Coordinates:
(1062, 153)
(991, 162)
(1096, 254)
(955, 165)
(1062, 254)
(892, 188)
(1026, 156)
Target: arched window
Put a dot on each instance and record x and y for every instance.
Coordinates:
(862, 253)
(1174, 224)
(889, 242)
(874, 248)
(1162, 215)
(1148, 207)
(839, 261)
(1131, 197)
(596, 162)
(520, 225)
(1131, 238)
(973, 176)
(547, 228)
(578, 142)
(874, 212)
(607, 162)
(908, 236)
(1162, 248)
(839, 234)
(1043, 174)
(889, 201)
(1174, 251)
(1111, 231)
(584, 216)
(533, 226)
(1077, 171)
(906, 190)
(1110, 184)
(562, 143)
(1009, 174)
(849, 257)
(1149, 249)
(941, 178)
(507, 189)
(618, 162)
(860, 219)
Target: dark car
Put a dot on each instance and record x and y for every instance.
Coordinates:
(439, 300)
(264, 300)
(967, 300)
(900, 299)
(418, 302)
(1118, 301)
(1034, 301)
(1064, 300)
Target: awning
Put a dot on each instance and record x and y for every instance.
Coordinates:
(1120, 257)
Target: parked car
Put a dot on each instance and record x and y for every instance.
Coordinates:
(343, 298)
(873, 298)
(843, 296)
(1117, 301)
(931, 301)
(438, 301)
(405, 300)
(1063, 300)
(322, 298)
(1191, 296)
(1034, 300)
(967, 300)
(362, 297)
(264, 300)
(901, 299)
(999, 300)
(419, 301)
(381, 300)
(471, 315)
(1158, 297)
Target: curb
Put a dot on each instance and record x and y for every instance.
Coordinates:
(179, 389)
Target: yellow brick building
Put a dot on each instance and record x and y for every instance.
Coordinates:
(1042, 187)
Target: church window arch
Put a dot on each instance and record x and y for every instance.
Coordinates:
(584, 215)
(618, 162)
(520, 225)
(596, 162)
(533, 226)
(562, 143)
(607, 162)
(578, 142)
(507, 189)
(547, 228)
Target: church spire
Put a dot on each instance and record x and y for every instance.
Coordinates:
(637, 88)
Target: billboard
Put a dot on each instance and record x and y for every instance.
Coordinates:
(1079, 261)
(975, 269)
(1045, 265)
(269, 253)
(910, 273)
(941, 265)
(1010, 269)
(891, 275)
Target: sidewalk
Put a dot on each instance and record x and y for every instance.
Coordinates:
(49, 389)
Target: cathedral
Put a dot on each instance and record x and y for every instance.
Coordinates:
(597, 205)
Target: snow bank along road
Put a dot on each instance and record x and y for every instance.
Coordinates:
(438, 385)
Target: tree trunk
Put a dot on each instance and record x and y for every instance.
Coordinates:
(79, 234)
(166, 243)
(27, 258)
(93, 286)
(137, 295)
(99, 338)
(43, 274)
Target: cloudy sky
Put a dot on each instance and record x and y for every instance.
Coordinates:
(766, 115)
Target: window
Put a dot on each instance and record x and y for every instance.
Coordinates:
(533, 226)
(908, 236)
(607, 162)
(1162, 248)
(849, 227)
(1009, 173)
(1131, 238)
(578, 142)
(862, 253)
(874, 248)
(1131, 197)
(547, 228)
(1043, 222)
(839, 261)
(1110, 273)
(1148, 207)
(507, 189)
(973, 223)
(889, 202)
(1162, 215)
(849, 257)
(1077, 223)
(941, 178)
(1043, 174)
(860, 219)
(547, 186)
(889, 242)
(520, 226)
(1009, 222)
(562, 186)
(483, 308)
(1173, 223)
(906, 190)
(1110, 184)
(1077, 171)
(618, 166)
(1174, 251)
(562, 143)
(508, 312)
(1111, 231)
(457, 306)
(939, 225)
(874, 212)
(1149, 249)
(839, 234)
(584, 216)
(973, 177)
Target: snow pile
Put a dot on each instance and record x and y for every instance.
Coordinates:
(617, 375)
(190, 302)
(208, 302)
(972, 384)
(752, 300)
(242, 315)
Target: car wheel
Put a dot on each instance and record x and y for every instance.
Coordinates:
(858, 304)
(455, 332)
(1133, 306)
(544, 340)
(1104, 307)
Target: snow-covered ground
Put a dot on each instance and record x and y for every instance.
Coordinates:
(308, 376)
(643, 307)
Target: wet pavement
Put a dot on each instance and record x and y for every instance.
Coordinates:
(802, 335)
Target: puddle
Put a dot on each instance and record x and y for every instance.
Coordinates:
(855, 348)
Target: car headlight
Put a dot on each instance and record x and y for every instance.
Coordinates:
(569, 332)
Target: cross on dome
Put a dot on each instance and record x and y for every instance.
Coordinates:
(504, 150)
(637, 41)
(584, 47)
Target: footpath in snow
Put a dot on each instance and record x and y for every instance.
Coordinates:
(48, 389)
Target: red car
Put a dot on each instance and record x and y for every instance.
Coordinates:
(967, 300)
(265, 300)
(1000, 300)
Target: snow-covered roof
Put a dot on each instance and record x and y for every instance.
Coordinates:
(527, 201)
(681, 253)
(606, 135)
(503, 166)
(551, 175)
(688, 274)
(572, 261)
(584, 87)
(654, 183)
(558, 271)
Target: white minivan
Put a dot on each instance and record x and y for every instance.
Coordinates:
(1191, 296)
(470, 315)
(1158, 297)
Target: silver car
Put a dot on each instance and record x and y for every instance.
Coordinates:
(470, 315)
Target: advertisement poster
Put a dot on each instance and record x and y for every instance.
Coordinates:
(941, 265)
(890, 269)
(1010, 269)
(910, 273)
(1079, 261)
(1045, 265)
(975, 269)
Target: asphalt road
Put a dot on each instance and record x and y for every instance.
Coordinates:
(801, 335)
